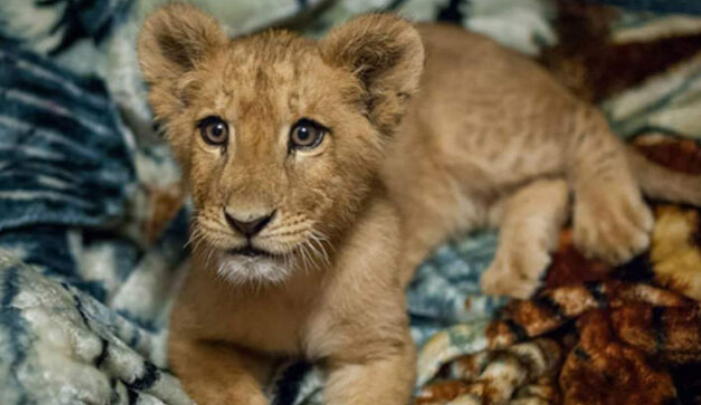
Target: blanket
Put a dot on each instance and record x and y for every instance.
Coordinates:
(94, 219)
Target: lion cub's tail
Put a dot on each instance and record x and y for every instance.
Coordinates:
(659, 182)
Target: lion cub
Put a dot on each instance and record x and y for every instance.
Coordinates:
(322, 172)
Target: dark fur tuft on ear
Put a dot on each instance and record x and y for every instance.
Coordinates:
(174, 39)
(386, 54)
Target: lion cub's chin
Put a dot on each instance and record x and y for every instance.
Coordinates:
(239, 269)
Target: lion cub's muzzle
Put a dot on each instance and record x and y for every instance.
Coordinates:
(248, 228)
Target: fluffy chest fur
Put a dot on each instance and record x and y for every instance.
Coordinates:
(303, 316)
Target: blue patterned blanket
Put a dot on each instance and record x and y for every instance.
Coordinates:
(93, 218)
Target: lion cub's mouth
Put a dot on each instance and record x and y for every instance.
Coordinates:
(250, 251)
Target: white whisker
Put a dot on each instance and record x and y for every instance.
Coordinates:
(320, 240)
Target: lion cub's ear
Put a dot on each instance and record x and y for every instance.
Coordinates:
(171, 42)
(386, 54)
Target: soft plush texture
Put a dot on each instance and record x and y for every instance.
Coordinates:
(93, 220)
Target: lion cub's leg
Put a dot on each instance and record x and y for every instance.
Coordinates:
(434, 212)
(217, 374)
(423, 232)
(611, 220)
(385, 379)
(530, 225)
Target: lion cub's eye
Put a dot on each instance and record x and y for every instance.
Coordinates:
(306, 134)
(214, 130)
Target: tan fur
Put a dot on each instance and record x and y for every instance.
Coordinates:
(489, 136)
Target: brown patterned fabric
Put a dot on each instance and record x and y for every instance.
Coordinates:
(588, 61)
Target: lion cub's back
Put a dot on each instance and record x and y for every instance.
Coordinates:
(453, 50)
(486, 119)
(469, 74)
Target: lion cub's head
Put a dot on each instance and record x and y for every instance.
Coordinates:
(280, 137)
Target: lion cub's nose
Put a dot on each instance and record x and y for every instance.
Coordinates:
(248, 228)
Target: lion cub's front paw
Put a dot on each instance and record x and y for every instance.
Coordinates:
(612, 224)
(516, 272)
